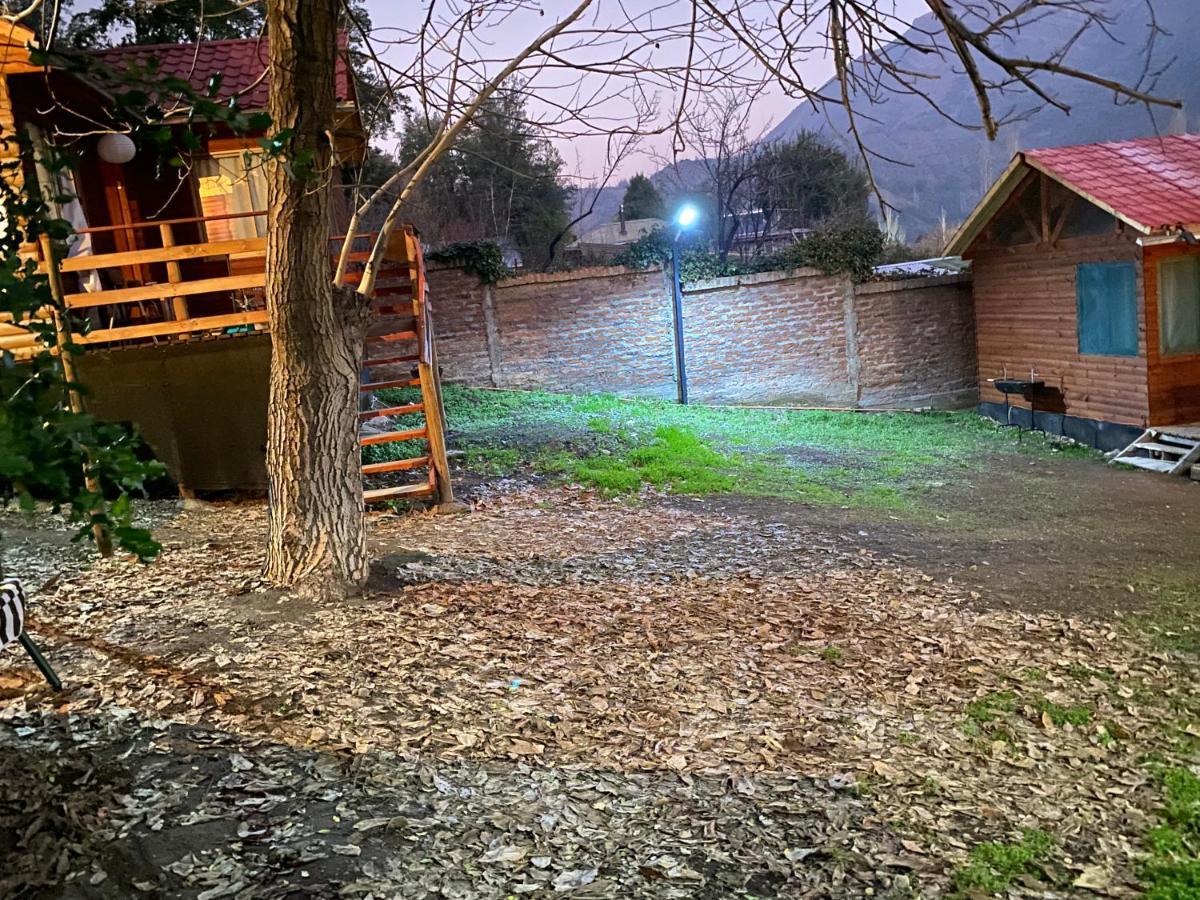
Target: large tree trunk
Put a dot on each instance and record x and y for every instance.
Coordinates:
(317, 523)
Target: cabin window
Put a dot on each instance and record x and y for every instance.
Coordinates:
(1179, 304)
(232, 183)
(1107, 304)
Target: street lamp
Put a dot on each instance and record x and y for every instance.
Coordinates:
(685, 217)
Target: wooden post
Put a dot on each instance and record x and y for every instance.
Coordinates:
(430, 378)
(435, 425)
(75, 400)
(179, 308)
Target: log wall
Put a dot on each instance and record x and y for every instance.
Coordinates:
(1025, 308)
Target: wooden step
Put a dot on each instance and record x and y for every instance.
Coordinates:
(1146, 462)
(1156, 447)
(403, 492)
(390, 361)
(392, 437)
(395, 465)
(392, 337)
(384, 385)
(406, 409)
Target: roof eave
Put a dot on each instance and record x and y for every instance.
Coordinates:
(1095, 201)
(987, 207)
(1003, 188)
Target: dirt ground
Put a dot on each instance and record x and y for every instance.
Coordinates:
(560, 695)
(1073, 535)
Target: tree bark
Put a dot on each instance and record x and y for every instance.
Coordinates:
(317, 530)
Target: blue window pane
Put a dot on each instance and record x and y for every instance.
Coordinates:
(1107, 304)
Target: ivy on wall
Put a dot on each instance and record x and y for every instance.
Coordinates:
(482, 259)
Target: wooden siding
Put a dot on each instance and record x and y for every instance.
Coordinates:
(1174, 380)
(1025, 308)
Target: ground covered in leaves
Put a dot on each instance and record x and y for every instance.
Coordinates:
(563, 693)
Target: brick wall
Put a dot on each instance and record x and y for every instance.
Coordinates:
(606, 329)
(773, 337)
(916, 342)
(798, 338)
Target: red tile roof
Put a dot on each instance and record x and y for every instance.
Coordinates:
(242, 62)
(1150, 182)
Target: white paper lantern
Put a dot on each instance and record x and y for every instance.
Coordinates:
(116, 148)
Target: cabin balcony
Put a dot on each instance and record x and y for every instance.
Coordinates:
(174, 280)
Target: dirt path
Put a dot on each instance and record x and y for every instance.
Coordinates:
(1071, 535)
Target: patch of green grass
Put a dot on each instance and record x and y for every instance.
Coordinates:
(831, 653)
(1087, 673)
(492, 460)
(675, 459)
(1032, 674)
(1173, 870)
(993, 706)
(1174, 621)
(880, 460)
(1063, 715)
(994, 865)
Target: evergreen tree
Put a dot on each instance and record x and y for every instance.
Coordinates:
(501, 181)
(642, 200)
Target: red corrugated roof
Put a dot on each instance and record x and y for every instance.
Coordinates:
(1152, 182)
(242, 62)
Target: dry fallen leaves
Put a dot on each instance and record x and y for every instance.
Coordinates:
(552, 629)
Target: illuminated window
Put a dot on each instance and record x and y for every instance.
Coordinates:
(232, 183)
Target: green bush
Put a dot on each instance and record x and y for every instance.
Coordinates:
(484, 259)
(853, 251)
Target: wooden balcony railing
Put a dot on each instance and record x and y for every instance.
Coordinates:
(183, 287)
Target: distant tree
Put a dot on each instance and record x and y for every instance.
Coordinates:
(502, 180)
(642, 200)
(808, 183)
(113, 22)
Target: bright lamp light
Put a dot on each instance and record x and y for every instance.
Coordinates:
(686, 215)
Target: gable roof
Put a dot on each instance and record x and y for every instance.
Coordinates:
(1151, 184)
(242, 63)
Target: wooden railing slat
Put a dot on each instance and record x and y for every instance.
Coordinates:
(163, 254)
(166, 290)
(161, 329)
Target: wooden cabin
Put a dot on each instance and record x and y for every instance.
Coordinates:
(1086, 268)
(164, 275)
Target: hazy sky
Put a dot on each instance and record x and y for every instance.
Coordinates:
(586, 156)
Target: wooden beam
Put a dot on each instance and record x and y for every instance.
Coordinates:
(1064, 214)
(168, 253)
(160, 329)
(179, 309)
(166, 290)
(1044, 197)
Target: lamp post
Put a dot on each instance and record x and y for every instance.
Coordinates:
(685, 217)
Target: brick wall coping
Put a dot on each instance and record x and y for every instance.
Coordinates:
(732, 281)
(911, 284)
(573, 275)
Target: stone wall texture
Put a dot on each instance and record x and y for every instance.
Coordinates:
(789, 338)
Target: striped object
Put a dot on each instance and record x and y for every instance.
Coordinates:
(12, 611)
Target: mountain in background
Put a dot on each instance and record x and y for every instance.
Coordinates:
(948, 168)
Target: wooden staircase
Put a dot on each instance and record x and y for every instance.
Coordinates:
(400, 355)
(1161, 451)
